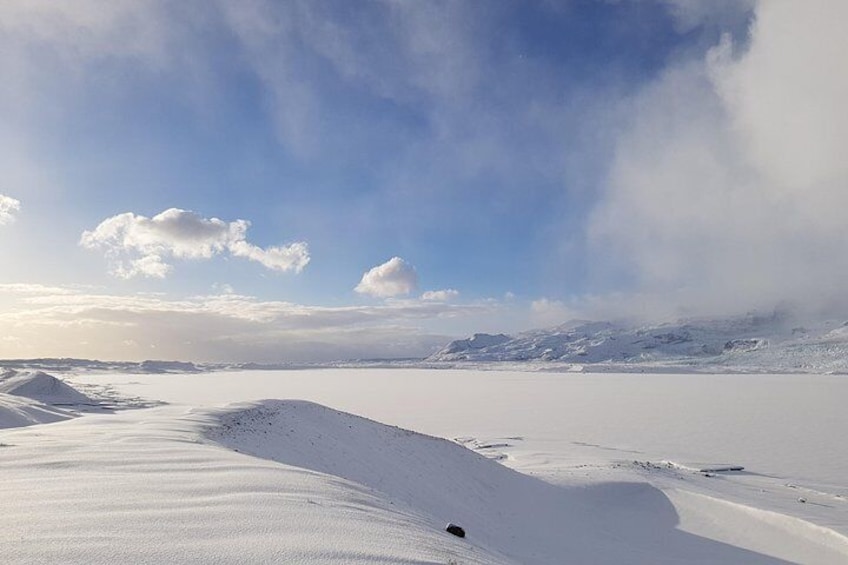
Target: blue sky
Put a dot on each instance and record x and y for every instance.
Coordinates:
(176, 164)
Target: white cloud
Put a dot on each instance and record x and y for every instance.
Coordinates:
(182, 234)
(727, 190)
(545, 312)
(432, 63)
(223, 288)
(150, 266)
(395, 277)
(42, 321)
(440, 295)
(8, 208)
(291, 257)
(30, 289)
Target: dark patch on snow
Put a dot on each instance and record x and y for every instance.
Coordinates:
(458, 531)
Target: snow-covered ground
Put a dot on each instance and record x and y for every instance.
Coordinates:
(273, 466)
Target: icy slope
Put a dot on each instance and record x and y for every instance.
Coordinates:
(774, 343)
(603, 440)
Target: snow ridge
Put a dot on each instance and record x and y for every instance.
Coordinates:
(505, 513)
(40, 386)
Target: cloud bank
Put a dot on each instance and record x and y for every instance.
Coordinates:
(395, 277)
(43, 321)
(729, 182)
(9, 207)
(139, 246)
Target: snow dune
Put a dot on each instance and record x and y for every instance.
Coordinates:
(518, 516)
(144, 487)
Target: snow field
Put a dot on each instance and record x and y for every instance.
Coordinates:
(206, 480)
(143, 487)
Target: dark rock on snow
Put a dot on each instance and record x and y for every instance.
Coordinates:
(455, 530)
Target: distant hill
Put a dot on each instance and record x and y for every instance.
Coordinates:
(70, 364)
(777, 342)
(752, 342)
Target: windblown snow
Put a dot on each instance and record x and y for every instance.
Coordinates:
(537, 468)
(18, 411)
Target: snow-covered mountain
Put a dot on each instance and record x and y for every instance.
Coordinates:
(774, 342)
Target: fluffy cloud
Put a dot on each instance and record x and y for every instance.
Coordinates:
(8, 208)
(395, 277)
(440, 295)
(728, 186)
(182, 234)
(279, 258)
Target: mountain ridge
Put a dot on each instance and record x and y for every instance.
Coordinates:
(773, 342)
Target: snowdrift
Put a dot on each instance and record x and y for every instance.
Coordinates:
(41, 387)
(143, 486)
(18, 411)
(28, 398)
(505, 512)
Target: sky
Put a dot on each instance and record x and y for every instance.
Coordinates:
(301, 181)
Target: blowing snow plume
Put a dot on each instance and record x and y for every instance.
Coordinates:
(729, 183)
